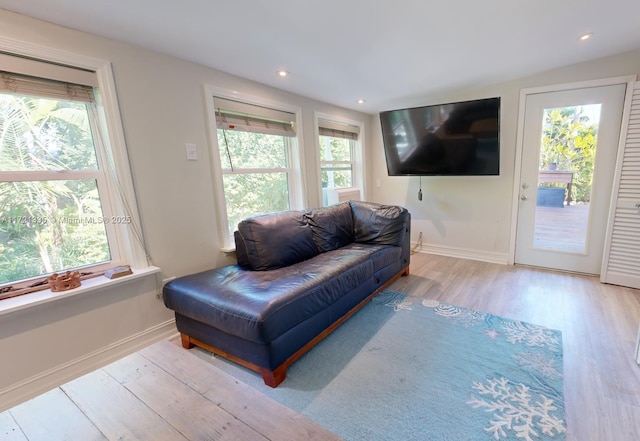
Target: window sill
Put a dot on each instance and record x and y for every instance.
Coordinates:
(25, 301)
(228, 250)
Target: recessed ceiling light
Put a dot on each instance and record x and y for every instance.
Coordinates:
(282, 73)
(361, 101)
(584, 37)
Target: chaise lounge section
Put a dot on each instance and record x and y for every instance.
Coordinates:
(300, 274)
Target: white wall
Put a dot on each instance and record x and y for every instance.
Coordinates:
(163, 107)
(47, 345)
(471, 216)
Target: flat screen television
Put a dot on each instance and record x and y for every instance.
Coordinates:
(457, 139)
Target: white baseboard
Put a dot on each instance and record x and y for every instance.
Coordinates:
(463, 253)
(59, 375)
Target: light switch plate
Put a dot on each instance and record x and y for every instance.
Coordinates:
(192, 152)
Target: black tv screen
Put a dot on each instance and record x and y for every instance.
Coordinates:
(455, 139)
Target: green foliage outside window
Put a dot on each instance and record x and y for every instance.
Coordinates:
(336, 166)
(47, 225)
(255, 177)
(569, 139)
(335, 149)
(252, 194)
(247, 150)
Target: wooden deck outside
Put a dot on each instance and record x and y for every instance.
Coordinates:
(561, 228)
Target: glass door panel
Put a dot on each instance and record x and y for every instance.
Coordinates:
(565, 176)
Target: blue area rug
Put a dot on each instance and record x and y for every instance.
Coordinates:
(398, 370)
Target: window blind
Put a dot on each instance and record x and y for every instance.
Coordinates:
(235, 115)
(26, 76)
(338, 130)
(26, 85)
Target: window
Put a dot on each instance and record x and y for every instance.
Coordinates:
(56, 177)
(255, 147)
(338, 159)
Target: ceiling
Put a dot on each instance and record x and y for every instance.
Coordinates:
(385, 52)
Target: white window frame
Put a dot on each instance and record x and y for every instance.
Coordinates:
(357, 160)
(117, 195)
(294, 158)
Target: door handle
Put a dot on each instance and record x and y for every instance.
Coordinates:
(523, 197)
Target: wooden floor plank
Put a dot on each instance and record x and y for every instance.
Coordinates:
(266, 415)
(9, 429)
(117, 412)
(53, 416)
(188, 411)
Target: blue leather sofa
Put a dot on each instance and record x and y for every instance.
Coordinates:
(300, 274)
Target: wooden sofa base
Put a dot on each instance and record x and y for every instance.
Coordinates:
(276, 376)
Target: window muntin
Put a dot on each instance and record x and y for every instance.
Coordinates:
(53, 215)
(336, 162)
(256, 174)
(335, 149)
(341, 158)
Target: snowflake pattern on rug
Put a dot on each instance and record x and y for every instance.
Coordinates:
(492, 333)
(531, 335)
(529, 412)
(515, 409)
(462, 316)
(393, 300)
(539, 363)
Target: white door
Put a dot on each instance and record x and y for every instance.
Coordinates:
(570, 143)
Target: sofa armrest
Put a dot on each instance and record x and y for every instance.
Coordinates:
(274, 240)
(379, 224)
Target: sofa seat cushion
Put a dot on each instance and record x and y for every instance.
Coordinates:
(262, 305)
(380, 255)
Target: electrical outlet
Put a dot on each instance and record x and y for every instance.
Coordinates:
(162, 284)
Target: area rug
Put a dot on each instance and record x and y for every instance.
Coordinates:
(424, 370)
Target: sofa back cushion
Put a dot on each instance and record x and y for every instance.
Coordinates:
(331, 227)
(379, 224)
(274, 240)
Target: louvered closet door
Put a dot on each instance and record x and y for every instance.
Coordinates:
(621, 264)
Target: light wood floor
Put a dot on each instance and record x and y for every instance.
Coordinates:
(162, 393)
(152, 395)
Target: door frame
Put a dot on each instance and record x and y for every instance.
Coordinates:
(524, 93)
